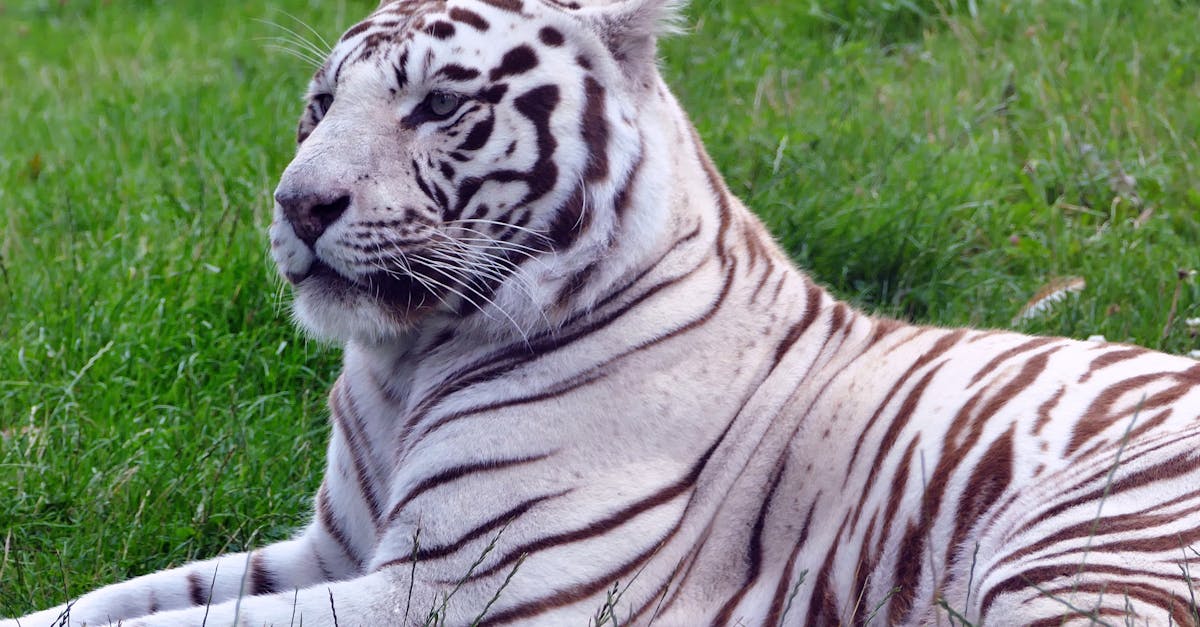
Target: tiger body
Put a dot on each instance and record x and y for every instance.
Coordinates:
(625, 381)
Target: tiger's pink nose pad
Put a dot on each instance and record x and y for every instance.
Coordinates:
(311, 214)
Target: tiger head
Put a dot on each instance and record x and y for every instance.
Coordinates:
(467, 161)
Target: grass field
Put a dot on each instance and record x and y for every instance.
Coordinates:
(932, 160)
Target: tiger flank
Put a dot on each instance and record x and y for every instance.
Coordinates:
(580, 376)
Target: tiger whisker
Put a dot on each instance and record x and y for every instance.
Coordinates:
(495, 260)
(448, 270)
(320, 38)
(487, 269)
(294, 53)
(508, 225)
(532, 253)
(292, 45)
(495, 267)
(407, 271)
(324, 49)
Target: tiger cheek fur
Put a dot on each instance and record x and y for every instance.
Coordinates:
(574, 360)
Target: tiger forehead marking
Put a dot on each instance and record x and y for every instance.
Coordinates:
(581, 380)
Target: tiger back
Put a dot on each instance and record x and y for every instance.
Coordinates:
(582, 383)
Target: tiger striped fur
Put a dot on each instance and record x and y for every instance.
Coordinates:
(573, 359)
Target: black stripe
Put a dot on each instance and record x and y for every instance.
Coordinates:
(197, 591)
(330, 524)
(260, 578)
(494, 524)
(458, 472)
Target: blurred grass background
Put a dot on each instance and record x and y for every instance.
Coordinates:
(938, 160)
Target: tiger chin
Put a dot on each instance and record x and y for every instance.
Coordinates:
(580, 377)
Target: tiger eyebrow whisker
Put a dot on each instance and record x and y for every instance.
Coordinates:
(324, 49)
(295, 53)
(320, 38)
(293, 44)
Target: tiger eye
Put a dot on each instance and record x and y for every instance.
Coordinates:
(442, 103)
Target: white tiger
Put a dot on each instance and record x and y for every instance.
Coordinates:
(573, 360)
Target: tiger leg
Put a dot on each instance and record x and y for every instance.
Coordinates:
(287, 565)
(376, 599)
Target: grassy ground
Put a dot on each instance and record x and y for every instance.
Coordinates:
(924, 159)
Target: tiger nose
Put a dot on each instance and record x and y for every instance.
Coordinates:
(311, 214)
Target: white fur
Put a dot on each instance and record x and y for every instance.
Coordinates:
(696, 422)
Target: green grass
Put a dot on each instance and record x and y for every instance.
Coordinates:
(924, 159)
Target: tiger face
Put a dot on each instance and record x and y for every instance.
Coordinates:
(454, 158)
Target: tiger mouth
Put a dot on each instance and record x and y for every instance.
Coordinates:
(395, 288)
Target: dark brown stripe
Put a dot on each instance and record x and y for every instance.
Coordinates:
(1110, 358)
(455, 473)
(614, 520)
(812, 304)
(892, 435)
(471, 18)
(329, 523)
(720, 193)
(595, 131)
(963, 434)
(781, 600)
(356, 29)
(898, 490)
(1043, 410)
(424, 554)
(260, 579)
(507, 5)
(754, 554)
(1167, 469)
(1009, 354)
(401, 73)
(570, 220)
(456, 72)
(625, 193)
(1067, 616)
(572, 594)
(941, 346)
(550, 36)
(516, 61)
(356, 449)
(1100, 415)
(580, 326)
(823, 607)
(197, 590)
(479, 134)
(557, 389)
(992, 475)
(440, 30)
(494, 364)
(1109, 525)
(1034, 581)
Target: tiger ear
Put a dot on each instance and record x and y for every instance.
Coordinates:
(630, 30)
